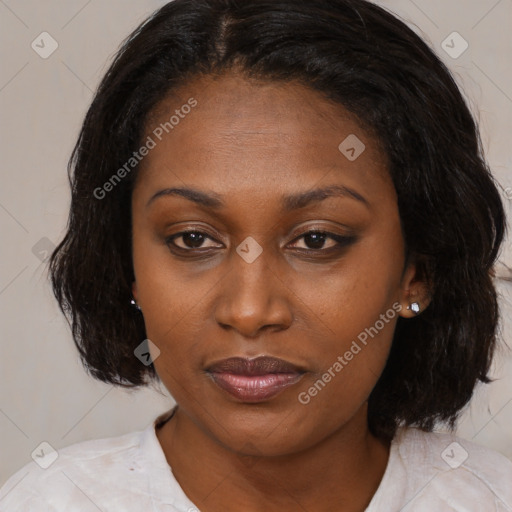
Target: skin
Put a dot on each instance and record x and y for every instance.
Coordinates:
(251, 143)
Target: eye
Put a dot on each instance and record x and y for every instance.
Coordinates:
(189, 240)
(315, 241)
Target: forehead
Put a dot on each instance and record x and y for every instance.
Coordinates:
(244, 135)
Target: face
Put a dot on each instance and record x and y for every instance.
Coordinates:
(284, 246)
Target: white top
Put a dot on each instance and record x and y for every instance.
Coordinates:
(426, 472)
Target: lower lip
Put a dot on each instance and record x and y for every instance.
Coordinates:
(256, 388)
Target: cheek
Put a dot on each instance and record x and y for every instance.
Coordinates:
(352, 355)
(365, 284)
(165, 286)
(158, 291)
(358, 320)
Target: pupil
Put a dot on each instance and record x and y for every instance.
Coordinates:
(193, 239)
(317, 239)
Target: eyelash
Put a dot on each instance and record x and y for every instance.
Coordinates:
(342, 241)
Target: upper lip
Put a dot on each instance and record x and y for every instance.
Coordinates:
(262, 365)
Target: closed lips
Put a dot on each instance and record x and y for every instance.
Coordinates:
(252, 367)
(254, 380)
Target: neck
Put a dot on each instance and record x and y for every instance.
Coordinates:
(345, 468)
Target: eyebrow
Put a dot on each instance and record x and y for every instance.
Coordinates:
(290, 202)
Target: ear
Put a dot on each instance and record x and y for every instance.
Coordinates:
(134, 291)
(414, 288)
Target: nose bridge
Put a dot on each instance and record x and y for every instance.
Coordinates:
(252, 296)
(251, 269)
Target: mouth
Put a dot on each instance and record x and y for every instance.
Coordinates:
(254, 380)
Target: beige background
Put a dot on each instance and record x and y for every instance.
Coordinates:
(45, 394)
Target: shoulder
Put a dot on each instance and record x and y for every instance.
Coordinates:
(454, 472)
(76, 475)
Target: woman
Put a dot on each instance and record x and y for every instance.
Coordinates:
(281, 211)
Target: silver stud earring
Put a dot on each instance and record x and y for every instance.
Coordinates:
(414, 307)
(134, 304)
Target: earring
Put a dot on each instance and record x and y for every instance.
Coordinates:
(134, 304)
(414, 307)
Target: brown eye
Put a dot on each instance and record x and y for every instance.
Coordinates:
(315, 240)
(190, 240)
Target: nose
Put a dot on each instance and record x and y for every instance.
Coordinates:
(253, 297)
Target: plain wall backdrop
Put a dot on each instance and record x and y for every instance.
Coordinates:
(45, 394)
